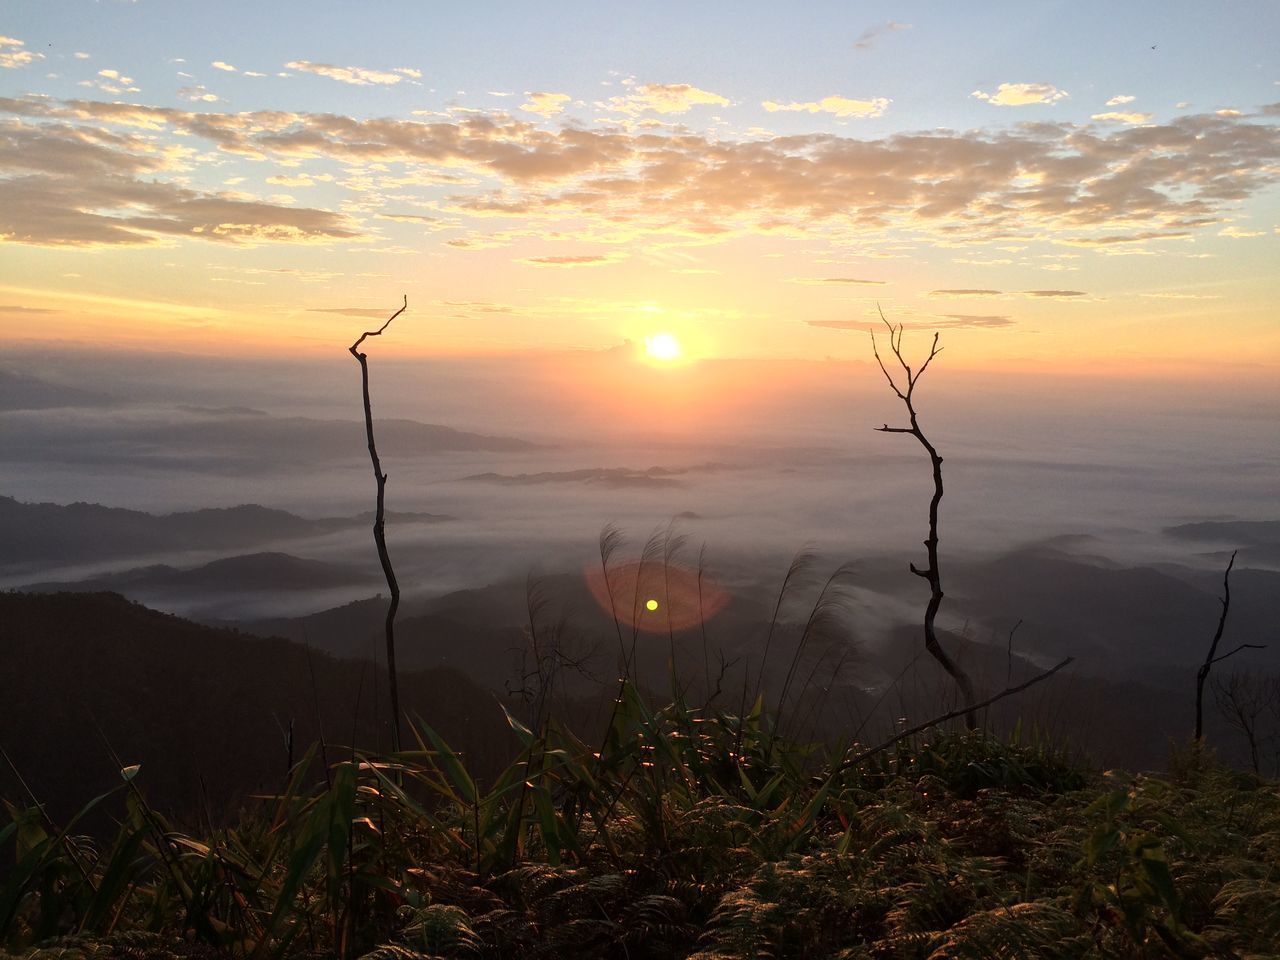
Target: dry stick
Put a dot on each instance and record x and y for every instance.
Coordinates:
(1008, 677)
(379, 531)
(963, 711)
(931, 573)
(1203, 673)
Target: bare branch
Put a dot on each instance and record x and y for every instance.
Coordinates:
(378, 332)
(379, 526)
(883, 369)
(932, 571)
(1203, 673)
(951, 715)
(1243, 646)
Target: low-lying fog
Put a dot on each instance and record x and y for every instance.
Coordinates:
(755, 459)
(1059, 498)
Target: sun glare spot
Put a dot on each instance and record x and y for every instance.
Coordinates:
(651, 605)
(663, 347)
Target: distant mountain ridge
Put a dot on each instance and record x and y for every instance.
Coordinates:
(22, 392)
(251, 573)
(32, 533)
(225, 442)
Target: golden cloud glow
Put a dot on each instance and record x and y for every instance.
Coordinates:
(1080, 185)
(836, 106)
(1021, 94)
(356, 76)
(666, 98)
(545, 104)
(13, 57)
(1121, 117)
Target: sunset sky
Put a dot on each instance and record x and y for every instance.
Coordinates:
(1082, 184)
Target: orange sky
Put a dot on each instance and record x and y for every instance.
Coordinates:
(168, 185)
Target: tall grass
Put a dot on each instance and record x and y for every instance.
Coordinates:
(692, 832)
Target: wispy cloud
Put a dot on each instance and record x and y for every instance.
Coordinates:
(545, 104)
(356, 76)
(1103, 185)
(14, 308)
(867, 39)
(370, 313)
(665, 98)
(947, 321)
(835, 280)
(1021, 94)
(1120, 100)
(198, 94)
(223, 65)
(1240, 233)
(79, 188)
(966, 292)
(111, 81)
(585, 260)
(13, 56)
(837, 106)
(1113, 116)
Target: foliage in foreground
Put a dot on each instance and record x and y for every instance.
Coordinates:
(686, 835)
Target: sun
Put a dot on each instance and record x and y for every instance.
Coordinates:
(663, 347)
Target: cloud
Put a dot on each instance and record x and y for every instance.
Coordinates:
(834, 280)
(222, 65)
(838, 106)
(409, 72)
(370, 313)
(302, 180)
(65, 188)
(588, 260)
(1119, 117)
(1240, 233)
(1084, 184)
(356, 76)
(407, 217)
(867, 39)
(950, 321)
(80, 55)
(1022, 94)
(1121, 100)
(665, 98)
(111, 81)
(13, 308)
(1053, 294)
(545, 104)
(13, 57)
(198, 94)
(977, 320)
(965, 293)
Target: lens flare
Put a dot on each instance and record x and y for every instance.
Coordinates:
(656, 597)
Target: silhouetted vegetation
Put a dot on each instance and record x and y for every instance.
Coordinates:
(692, 833)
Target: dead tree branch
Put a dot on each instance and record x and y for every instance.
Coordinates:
(1203, 673)
(932, 573)
(951, 715)
(379, 531)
